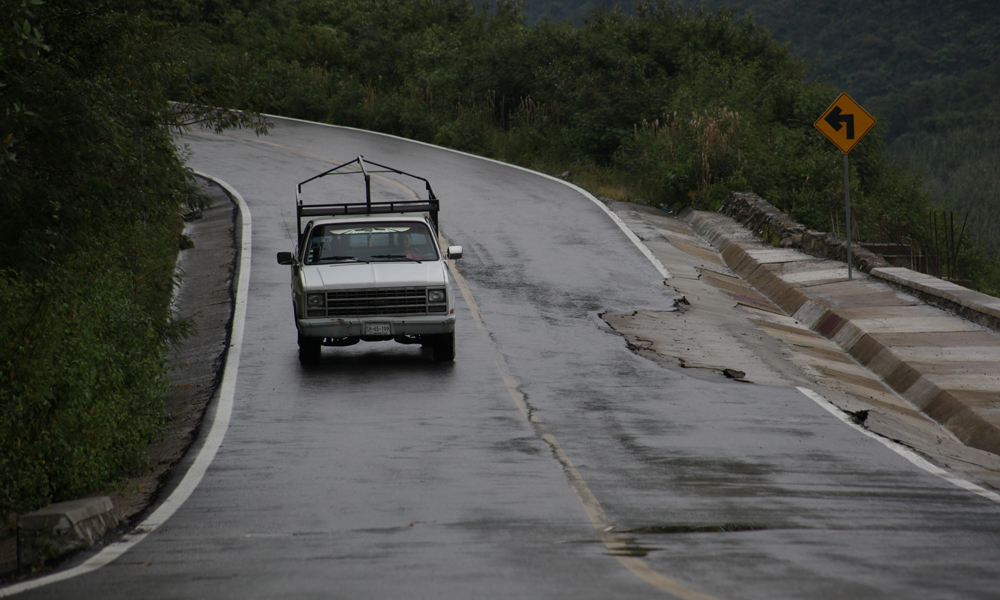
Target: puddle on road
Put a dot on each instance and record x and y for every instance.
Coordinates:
(630, 548)
(626, 545)
(674, 529)
(621, 547)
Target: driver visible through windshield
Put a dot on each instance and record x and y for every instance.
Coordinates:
(369, 242)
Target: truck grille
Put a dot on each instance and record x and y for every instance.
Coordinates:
(385, 301)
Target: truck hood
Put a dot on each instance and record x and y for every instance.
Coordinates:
(374, 275)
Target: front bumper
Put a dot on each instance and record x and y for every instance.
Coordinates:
(331, 327)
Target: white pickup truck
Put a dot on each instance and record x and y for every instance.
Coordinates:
(371, 271)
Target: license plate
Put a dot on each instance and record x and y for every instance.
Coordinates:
(377, 329)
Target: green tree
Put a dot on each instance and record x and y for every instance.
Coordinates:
(90, 192)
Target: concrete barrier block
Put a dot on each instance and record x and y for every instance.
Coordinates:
(756, 274)
(712, 234)
(719, 242)
(692, 220)
(788, 297)
(810, 314)
(922, 392)
(738, 261)
(776, 286)
(792, 300)
(698, 223)
(62, 528)
(847, 335)
(734, 256)
(871, 353)
(971, 428)
(879, 359)
(767, 283)
(902, 378)
(944, 409)
(831, 325)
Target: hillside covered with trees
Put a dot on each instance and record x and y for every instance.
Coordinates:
(670, 106)
(928, 70)
(91, 191)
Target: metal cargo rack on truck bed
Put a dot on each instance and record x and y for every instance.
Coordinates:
(431, 205)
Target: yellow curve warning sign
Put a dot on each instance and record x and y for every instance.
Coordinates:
(845, 123)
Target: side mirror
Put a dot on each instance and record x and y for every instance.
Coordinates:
(454, 252)
(286, 258)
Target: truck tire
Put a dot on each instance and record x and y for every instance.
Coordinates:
(309, 349)
(444, 347)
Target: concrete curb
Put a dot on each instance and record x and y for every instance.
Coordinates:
(954, 409)
(766, 222)
(61, 528)
(966, 303)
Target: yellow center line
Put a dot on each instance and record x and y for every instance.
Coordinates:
(615, 542)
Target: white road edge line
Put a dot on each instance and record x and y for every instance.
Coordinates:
(621, 224)
(902, 450)
(220, 423)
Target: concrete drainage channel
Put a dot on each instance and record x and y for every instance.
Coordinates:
(943, 364)
(893, 364)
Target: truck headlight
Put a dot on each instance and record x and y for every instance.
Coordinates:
(436, 296)
(316, 300)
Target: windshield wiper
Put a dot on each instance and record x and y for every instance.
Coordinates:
(328, 259)
(403, 256)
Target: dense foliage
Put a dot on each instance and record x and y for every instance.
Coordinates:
(667, 106)
(90, 192)
(952, 135)
(928, 70)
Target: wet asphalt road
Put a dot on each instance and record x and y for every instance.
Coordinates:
(381, 474)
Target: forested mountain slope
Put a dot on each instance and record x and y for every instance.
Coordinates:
(670, 106)
(929, 70)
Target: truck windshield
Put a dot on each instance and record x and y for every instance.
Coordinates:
(370, 242)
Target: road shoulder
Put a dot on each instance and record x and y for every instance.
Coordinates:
(743, 327)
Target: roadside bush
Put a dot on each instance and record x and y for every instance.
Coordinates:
(91, 187)
(81, 364)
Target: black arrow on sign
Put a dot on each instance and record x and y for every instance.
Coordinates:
(835, 118)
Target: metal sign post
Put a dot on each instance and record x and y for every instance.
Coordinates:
(844, 123)
(847, 211)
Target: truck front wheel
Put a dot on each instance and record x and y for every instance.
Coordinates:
(309, 349)
(444, 347)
